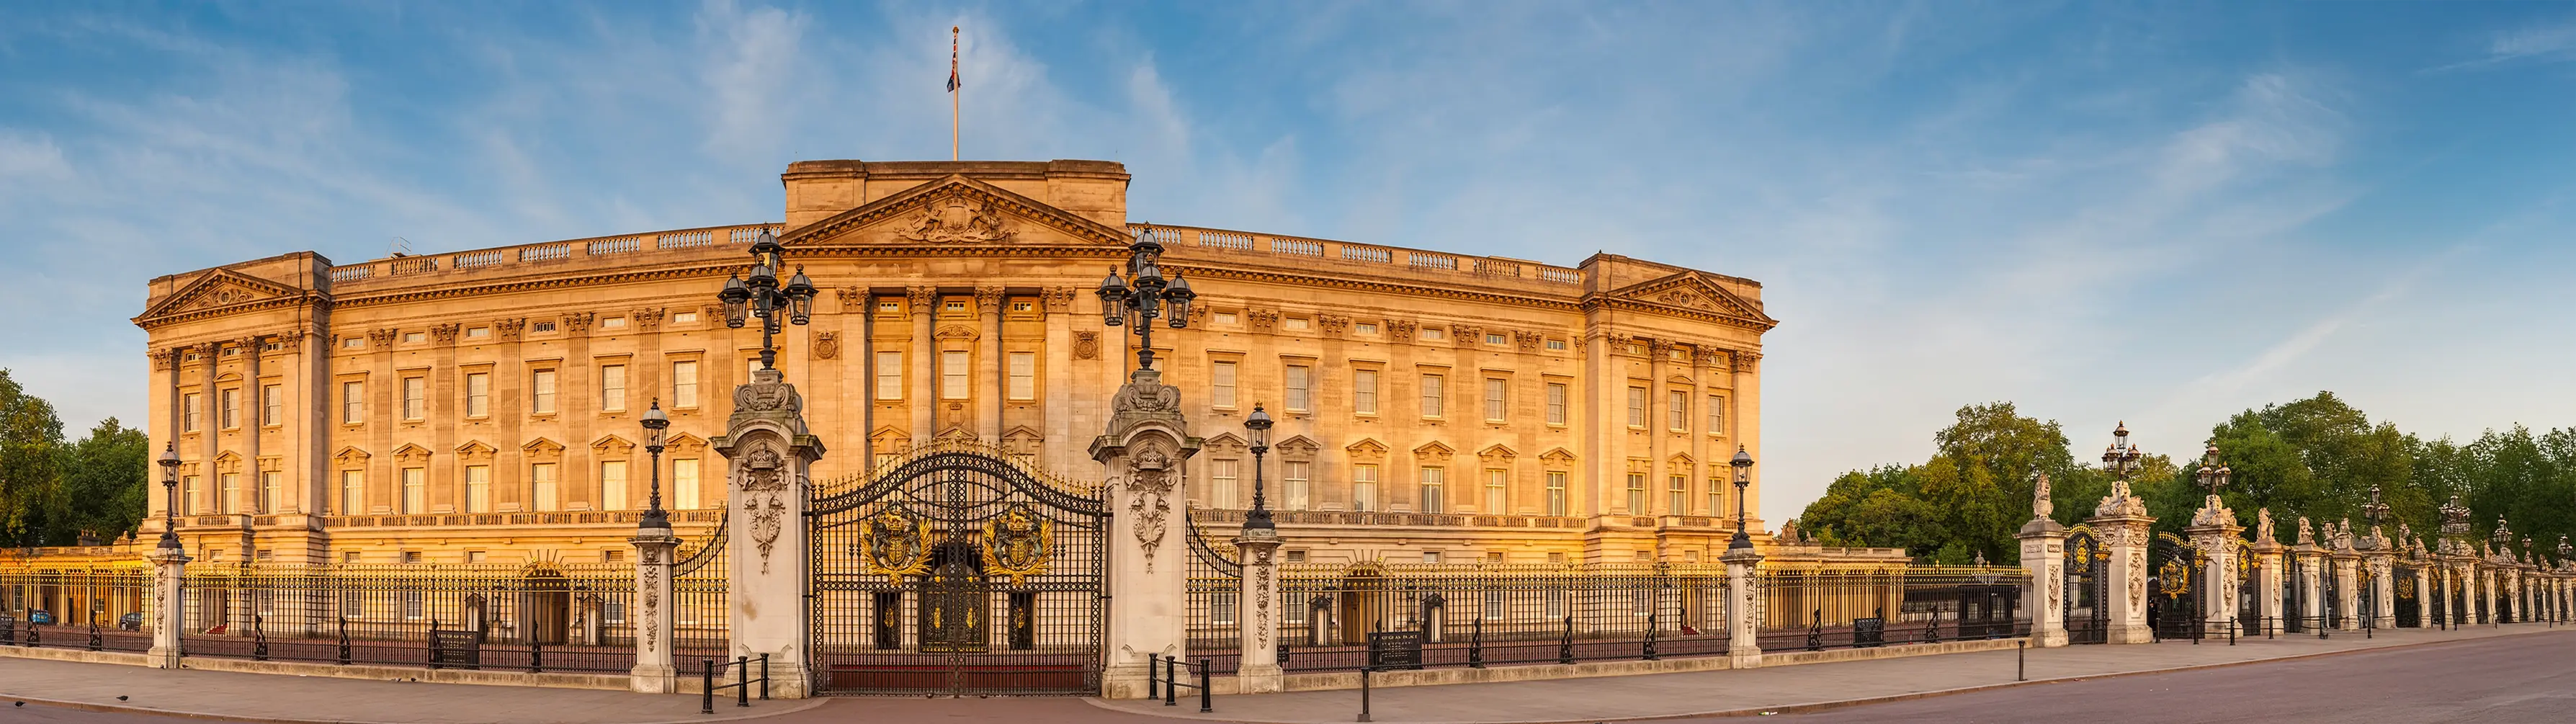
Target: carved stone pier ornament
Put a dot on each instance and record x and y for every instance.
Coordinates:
(956, 219)
(1149, 484)
(764, 487)
(2040, 505)
(2263, 526)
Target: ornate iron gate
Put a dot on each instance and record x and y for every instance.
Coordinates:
(1216, 580)
(2369, 605)
(958, 571)
(2087, 598)
(2249, 607)
(2295, 595)
(2410, 601)
(2332, 596)
(2175, 608)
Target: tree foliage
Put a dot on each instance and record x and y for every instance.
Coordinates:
(2317, 457)
(52, 490)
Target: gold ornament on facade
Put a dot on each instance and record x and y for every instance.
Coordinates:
(894, 546)
(1016, 544)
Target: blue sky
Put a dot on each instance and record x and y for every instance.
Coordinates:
(2161, 213)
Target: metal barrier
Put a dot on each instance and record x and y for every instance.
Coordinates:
(711, 669)
(1163, 677)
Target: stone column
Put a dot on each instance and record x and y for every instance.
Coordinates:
(2383, 565)
(2215, 532)
(2312, 604)
(2267, 582)
(169, 565)
(990, 378)
(2122, 524)
(2346, 564)
(1142, 450)
(653, 672)
(2043, 556)
(768, 453)
(924, 399)
(1258, 613)
(1743, 608)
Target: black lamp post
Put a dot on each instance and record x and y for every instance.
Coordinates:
(1743, 464)
(2502, 537)
(2122, 458)
(170, 482)
(1136, 299)
(654, 422)
(761, 296)
(2374, 510)
(2212, 479)
(1258, 426)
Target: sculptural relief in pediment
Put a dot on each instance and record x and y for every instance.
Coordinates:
(956, 219)
(955, 211)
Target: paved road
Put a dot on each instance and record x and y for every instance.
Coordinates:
(2505, 681)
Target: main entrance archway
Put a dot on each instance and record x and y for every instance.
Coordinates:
(957, 571)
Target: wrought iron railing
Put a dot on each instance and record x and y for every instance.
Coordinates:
(1343, 617)
(538, 617)
(1813, 610)
(97, 609)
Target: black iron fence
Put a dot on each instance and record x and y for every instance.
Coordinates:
(538, 617)
(700, 621)
(1814, 610)
(97, 609)
(1343, 617)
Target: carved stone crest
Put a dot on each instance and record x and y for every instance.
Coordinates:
(1086, 345)
(1149, 487)
(955, 219)
(827, 345)
(764, 487)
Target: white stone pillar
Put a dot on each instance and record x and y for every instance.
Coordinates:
(169, 567)
(2043, 556)
(1142, 451)
(1743, 608)
(653, 672)
(2312, 598)
(2383, 565)
(1258, 613)
(2215, 533)
(768, 453)
(2346, 564)
(2267, 583)
(2124, 538)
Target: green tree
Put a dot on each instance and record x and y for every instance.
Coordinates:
(103, 485)
(31, 435)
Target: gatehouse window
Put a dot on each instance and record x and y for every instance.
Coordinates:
(684, 384)
(1556, 345)
(1636, 407)
(230, 408)
(1716, 415)
(230, 501)
(1434, 397)
(1495, 480)
(1678, 416)
(1496, 391)
(955, 374)
(1024, 375)
(1364, 487)
(1636, 493)
(684, 483)
(1221, 384)
(189, 417)
(270, 487)
(1431, 556)
(1716, 496)
(1680, 495)
(1294, 473)
(889, 375)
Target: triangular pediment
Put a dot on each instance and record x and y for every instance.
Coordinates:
(952, 211)
(1434, 451)
(1692, 291)
(1557, 455)
(217, 289)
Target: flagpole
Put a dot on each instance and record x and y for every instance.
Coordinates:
(953, 91)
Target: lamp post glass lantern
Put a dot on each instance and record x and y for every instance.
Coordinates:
(1143, 294)
(170, 483)
(2122, 458)
(761, 296)
(654, 422)
(1743, 464)
(1257, 425)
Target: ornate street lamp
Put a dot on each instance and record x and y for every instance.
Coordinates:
(1136, 299)
(1743, 464)
(170, 482)
(2374, 510)
(2122, 458)
(762, 296)
(2455, 520)
(2502, 537)
(2565, 551)
(1258, 426)
(654, 422)
(2211, 479)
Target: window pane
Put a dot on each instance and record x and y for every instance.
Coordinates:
(353, 492)
(353, 405)
(1364, 392)
(478, 488)
(1679, 495)
(612, 387)
(1434, 489)
(954, 373)
(231, 408)
(541, 487)
(684, 484)
(1024, 372)
(1433, 395)
(415, 394)
(1221, 482)
(612, 485)
(1221, 384)
(1636, 407)
(1556, 403)
(1678, 417)
(1299, 380)
(1364, 487)
(1294, 473)
(415, 490)
(1495, 389)
(1495, 482)
(541, 392)
(1556, 493)
(1716, 415)
(889, 375)
(478, 394)
(272, 404)
(684, 383)
(1636, 493)
(188, 411)
(270, 483)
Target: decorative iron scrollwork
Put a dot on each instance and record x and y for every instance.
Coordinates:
(1016, 544)
(894, 546)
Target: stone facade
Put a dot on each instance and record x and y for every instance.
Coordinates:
(482, 405)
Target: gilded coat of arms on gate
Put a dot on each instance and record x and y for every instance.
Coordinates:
(893, 545)
(1016, 543)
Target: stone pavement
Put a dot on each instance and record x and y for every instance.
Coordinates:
(1785, 688)
(263, 697)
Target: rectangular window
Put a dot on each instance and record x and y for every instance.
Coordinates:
(189, 406)
(415, 491)
(415, 398)
(1433, 334)
(955, 372)
(353, 402)
(1636, 407)
(1300, 383)
(1024, 376)
(541, 488)
(1221, 483)
(230, 407)
(1716, 496)
(1364, 487)
(1433, 395)
(1677, 418)
(478, 488)
(1556, 345)
(541, 392)
(1556, 393)
(1495, 391)
(1495, 493)
(684, 384)
(1636, 493)
(612, 485)
(889, 375)
(612, 388)
(196, 495)
(478, 394)
(1435, 486)
(271, 485)
(1221, 384)
(684, 484)
(230, 500)
(1716, 415)
(1293, 475)
(1678, 495)
(353, 492)
(272, 404)
(1368, 328)
(1496, 339)
(1364, 392)
(1555, 493)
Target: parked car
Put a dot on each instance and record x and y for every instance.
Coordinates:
(40, 617)
(130, 622)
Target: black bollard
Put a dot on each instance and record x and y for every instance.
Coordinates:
(707, 686)
(1205, 705)
(1153, 677)
(742, 681)
(1364, 693)
(764, 677)
(1171, 681)
(2021, 663)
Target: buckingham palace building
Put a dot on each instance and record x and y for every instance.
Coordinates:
(482, 406)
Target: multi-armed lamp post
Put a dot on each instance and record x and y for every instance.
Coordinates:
(1136, 299)
(2122, 458)
(1743, 464)
(761, 296)
(2213, 475)
(2375, 511)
